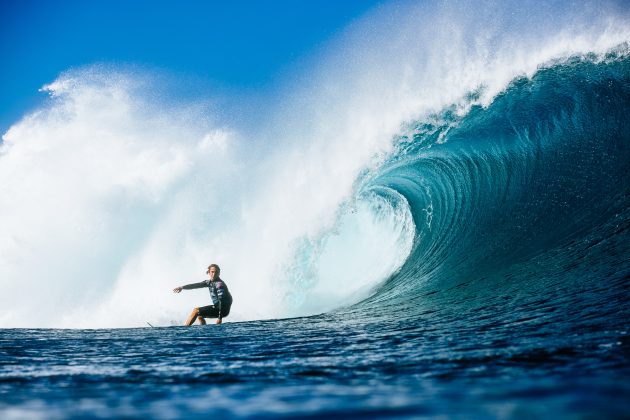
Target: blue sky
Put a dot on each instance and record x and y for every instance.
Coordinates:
(234, 44)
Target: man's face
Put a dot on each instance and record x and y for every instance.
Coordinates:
(212, 272)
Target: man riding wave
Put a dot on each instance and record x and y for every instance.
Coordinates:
(219, 294)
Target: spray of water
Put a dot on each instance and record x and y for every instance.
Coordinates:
(112, 194)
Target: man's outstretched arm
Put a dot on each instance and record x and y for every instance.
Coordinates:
(190, 286)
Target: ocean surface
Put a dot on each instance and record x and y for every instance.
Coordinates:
(433, 222)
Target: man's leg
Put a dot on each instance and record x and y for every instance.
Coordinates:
(191, 317)
(202, 313)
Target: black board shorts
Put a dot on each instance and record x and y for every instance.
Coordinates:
(212, 311)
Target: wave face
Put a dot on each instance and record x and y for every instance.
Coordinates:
(521, 208)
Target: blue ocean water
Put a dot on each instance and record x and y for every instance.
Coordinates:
(513, 302)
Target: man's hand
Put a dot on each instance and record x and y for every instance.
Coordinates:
(218, 321)
(177, 289)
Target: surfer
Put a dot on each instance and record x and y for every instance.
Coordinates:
(219, 293)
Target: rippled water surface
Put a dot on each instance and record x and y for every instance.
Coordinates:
(322, 366)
